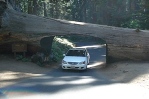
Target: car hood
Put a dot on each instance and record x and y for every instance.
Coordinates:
(74, 59)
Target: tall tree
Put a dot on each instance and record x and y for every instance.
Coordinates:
(30, 8)
(35, 7)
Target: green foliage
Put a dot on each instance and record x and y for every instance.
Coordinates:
(132, 24)
(39, 63)
(138, 20)
(59, 47)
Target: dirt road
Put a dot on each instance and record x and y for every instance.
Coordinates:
(128, 72)
(12, 71)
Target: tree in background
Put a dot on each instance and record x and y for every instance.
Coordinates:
(120, 13)
(139, 15)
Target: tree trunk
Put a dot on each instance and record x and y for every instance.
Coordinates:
(51, 8)
(45, 9)
(35, 7)
(122, 43)
(30, 8)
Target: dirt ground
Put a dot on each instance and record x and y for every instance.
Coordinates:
(128, 72)
(12, 71)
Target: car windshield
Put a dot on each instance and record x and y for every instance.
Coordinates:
(76, 53)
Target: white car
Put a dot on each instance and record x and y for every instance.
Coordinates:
(76, 58)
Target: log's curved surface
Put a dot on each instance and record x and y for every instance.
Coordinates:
(122, 43)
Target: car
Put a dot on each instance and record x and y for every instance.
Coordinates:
(76, 58)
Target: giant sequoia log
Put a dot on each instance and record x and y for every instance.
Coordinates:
(122, 43)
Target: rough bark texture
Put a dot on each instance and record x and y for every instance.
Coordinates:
(122, 43)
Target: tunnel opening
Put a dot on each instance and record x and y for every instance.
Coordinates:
(96, 47)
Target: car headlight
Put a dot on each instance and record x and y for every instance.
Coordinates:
(82, 62)
(64, 62)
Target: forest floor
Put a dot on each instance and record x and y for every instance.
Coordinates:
(12, 71)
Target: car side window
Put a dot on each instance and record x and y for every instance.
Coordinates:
(83, 53)
(70, 53)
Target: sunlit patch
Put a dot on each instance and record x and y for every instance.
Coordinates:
(83, 81)
(79, 23)
(10, 75)
(71, 82)
(73, 22)
(13, 93)
(95, 64)
(80, 77)
(64, 41)
(42, 77)
(93, 46)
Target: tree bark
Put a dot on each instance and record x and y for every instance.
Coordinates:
(122, 43)
(45, 9)
(30, 8)
(35, 7)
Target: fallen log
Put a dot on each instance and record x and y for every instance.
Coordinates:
(122, 43)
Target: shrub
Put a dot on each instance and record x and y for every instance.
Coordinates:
(59, 47)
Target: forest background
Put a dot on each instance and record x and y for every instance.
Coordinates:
(119, 13)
